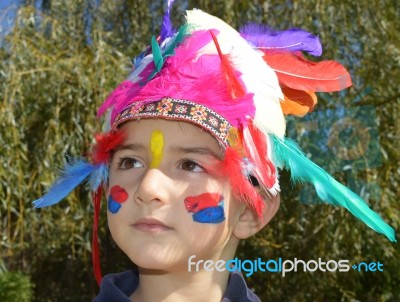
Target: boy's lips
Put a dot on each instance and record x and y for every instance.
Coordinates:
(150, 225)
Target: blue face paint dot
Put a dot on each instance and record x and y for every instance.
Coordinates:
(113, 206)
(210, 215)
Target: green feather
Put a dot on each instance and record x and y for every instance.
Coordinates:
(179, 37)
(287, 154)
(157, 55)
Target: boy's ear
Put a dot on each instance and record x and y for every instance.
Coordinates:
(249, 223)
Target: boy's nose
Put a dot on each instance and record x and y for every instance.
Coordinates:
(154, 186)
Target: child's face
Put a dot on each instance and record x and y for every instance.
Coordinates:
(163, 206)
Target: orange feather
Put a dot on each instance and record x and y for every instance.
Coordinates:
(298, 102)
(296, 72)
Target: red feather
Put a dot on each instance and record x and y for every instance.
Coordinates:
(256, 149)
(296, 72)
(95, 239)
(231, 167)
(233, 84)
(105, 143)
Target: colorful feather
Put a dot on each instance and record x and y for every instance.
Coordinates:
(125, 91)
(98, 177)
(160, 55)
(188, 75)
(257, 77)
(142, 70)
(157, 54)
(265, 38)
(296, 72)
(105, 143)
(157, 59)
(72, 175)
(176, 41)
(138, 60)
(233, 83)
(298, 102)
(231, 167)
(255, 145)
(101, 152)
(167, 29)
(96, 197)
(287, 154)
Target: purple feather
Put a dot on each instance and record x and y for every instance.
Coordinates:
(167, 29)
(72, 175)
(291, 40)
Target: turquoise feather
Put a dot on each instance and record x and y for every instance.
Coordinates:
(159, 55)
(287, 154)
(180, 36)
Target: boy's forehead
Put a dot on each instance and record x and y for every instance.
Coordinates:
(177, 133)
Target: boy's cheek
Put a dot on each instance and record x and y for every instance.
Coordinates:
(206, 207)
(117, 196)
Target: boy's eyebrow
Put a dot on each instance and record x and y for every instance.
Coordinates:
(178, 149)
(197, 150)
(132, 147)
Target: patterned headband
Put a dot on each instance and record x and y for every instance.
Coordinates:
(180, 110)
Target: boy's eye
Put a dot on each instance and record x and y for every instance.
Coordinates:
(129, 163)
(189, 165)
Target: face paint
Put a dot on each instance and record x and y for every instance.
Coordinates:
(113, 206)
(117, 196)
(206, 200)
(207, 207)
(210, 215)
(156, 148)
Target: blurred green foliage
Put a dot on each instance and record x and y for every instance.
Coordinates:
(61, 60)
(15, 286)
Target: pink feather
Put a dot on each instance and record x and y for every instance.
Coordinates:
(188, 76)
(123, 92)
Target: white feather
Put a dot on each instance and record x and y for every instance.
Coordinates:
(134, 76)
(257, 76)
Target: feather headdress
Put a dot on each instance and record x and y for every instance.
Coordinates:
(257, 76)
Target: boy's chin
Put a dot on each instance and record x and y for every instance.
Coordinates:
(158, 266)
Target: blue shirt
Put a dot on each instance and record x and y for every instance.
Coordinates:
(118, 288)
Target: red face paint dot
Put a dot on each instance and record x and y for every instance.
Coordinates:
(118, 194)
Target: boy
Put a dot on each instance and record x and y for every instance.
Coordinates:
(189, 160)
(155, 227)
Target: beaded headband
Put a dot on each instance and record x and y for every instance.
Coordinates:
(180, 110)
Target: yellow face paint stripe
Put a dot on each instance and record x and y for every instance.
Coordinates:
(156, 148)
